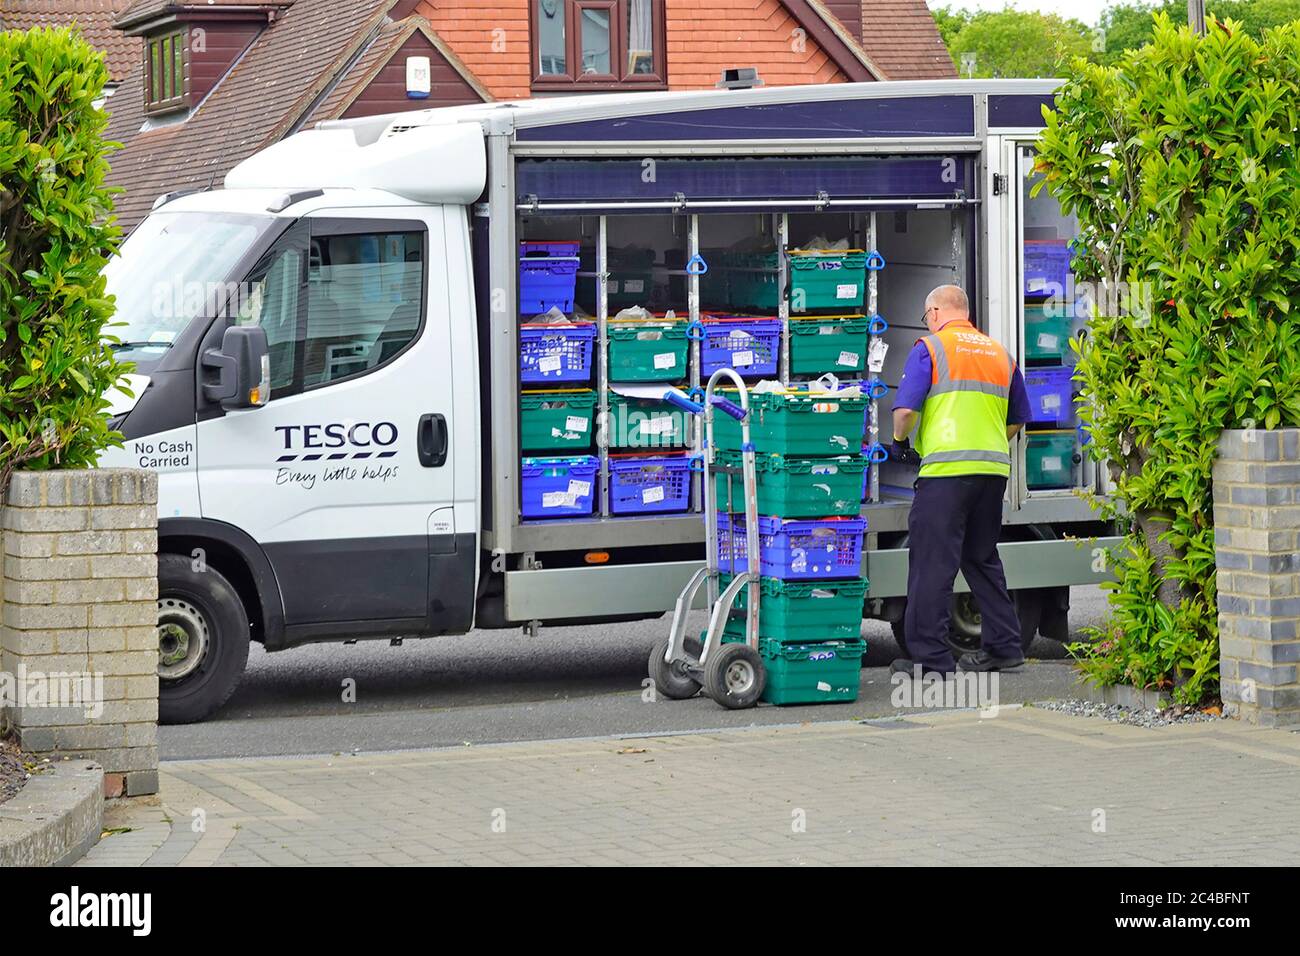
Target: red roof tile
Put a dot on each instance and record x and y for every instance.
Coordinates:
(900, 37)
(266, 94)
(94, 18)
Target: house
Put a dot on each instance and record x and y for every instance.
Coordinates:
(213, 81)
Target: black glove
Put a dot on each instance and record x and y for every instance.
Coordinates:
(901, 451)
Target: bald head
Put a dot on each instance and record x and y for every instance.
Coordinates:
(944, 304)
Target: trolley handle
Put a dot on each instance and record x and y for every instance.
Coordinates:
(730, 407)
(681, 401)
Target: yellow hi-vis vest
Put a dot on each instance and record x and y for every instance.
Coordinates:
(964, 417)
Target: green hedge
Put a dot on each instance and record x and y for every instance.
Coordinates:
(56, 234)
(1181, 165)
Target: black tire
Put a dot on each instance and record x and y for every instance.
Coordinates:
(671, 679)
(965, 624)
(734, 676)
(202, 608)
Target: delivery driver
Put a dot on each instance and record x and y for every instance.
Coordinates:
(972, 402)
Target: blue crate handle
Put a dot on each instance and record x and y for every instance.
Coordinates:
(695, 463)
(697, 396)
(878, 325)
(681, 401)
(877, 453)
(696, 266)
(875, 261)
(877, 389)
(731, 408)
(695, 331)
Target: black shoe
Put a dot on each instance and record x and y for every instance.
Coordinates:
(915, 670)
(984, 661)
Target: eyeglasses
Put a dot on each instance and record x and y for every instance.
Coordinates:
(925, 315)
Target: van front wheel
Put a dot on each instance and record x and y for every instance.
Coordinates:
(203, 640)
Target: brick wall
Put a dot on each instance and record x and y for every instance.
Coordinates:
(1256, 519)
(79, 594)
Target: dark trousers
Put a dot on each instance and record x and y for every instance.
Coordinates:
(954, 525)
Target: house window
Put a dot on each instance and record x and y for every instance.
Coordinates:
(166, 60)
(598, 44)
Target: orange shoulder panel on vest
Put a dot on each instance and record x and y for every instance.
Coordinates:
(973, 356)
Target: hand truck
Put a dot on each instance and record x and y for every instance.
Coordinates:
(731, 673)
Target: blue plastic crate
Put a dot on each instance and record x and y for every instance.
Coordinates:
(555, 353)
(796, 550)
(1047, 268)
(547, 282)
(558, 487)
(751, 346)
(649, 485)
(1051, 395)
(548, 247)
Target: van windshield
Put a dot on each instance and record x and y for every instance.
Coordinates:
(167, 273)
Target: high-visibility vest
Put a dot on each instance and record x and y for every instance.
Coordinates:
(964, 417)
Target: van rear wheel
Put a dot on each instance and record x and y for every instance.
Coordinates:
(203, 640)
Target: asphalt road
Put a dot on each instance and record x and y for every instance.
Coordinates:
(495, 686)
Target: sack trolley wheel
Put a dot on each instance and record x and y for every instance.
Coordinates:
(733, 674)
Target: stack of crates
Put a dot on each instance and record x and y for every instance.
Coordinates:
(556, 401)
(808, 481)
(1052, 446)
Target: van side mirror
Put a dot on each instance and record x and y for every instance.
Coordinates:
(244, 368)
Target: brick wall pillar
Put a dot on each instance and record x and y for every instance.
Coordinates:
(78, 639)
(1256, 519)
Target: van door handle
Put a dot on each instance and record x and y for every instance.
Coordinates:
(432, 440)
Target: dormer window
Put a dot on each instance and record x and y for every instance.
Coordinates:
(166, 72)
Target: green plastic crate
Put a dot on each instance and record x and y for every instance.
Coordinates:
(802, 611)
(641, 423)
(755, 280)
(833, 343)
(795, 423)
(827, 279)
(797, 487)
(823, 672)
(1047, 337)
(556, 420)
(647, 352)
(1049, 459)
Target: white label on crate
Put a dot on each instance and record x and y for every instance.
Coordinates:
(1048, 341)
(876, 352)
(847, 291)
(650, 495)
(576, 423)
(826, 469)
(1051, 402)
(848, 358)
(1051, 463)
(824, 687)
(549, 363)
(739, 334)
(821, 593)
(579, 489)
(741, 359)
(830, 330)
(634, 285)
(657, 426)
(1035, 285)
(840, 440)
(558, 499)
(666, 360)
